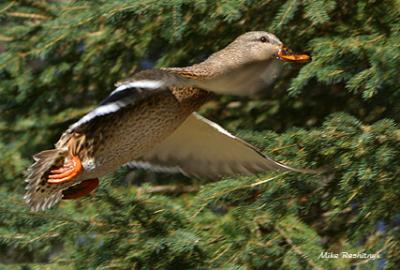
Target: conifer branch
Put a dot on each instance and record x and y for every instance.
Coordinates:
(340, 113)
(28, 15)
(168, 189)
(10, 5)
(296, 249)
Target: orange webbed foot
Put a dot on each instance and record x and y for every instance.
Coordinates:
(65, 173)
(81, 189)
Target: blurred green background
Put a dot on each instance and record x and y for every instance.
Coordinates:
(58, 59)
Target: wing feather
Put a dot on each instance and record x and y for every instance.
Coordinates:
(132, 91)
(201, 148)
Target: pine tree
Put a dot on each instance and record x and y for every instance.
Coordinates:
(340, 112)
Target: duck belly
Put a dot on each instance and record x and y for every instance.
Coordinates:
(129, 133)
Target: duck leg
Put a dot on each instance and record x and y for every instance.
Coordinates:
(81, 189)
(65, 173)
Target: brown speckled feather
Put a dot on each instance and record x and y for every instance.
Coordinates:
(149, 119)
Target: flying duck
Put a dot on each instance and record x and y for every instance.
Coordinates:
(149, 121)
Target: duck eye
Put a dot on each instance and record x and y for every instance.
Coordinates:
(263, 39)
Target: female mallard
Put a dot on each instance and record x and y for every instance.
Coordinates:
(149, 121)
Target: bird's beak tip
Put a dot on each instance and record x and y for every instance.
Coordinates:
(287, 55)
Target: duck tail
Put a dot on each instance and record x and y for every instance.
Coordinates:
(41, 195)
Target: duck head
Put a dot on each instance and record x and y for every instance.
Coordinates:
(259, 46)
(248, 64)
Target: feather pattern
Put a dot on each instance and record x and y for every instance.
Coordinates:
(125, 95)
(201, 148)
(148, 119)
(41, 195)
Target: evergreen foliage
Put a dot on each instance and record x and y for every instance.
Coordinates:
(58, 59)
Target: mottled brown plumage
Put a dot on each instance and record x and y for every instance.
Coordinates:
(149, 120)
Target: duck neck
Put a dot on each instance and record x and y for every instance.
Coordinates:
(232, 75)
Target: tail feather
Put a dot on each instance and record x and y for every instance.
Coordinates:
(41, 195)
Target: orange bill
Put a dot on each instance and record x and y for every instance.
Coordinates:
(287, 55)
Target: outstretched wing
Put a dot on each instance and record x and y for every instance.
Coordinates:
(202, 148)
(130, 92)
